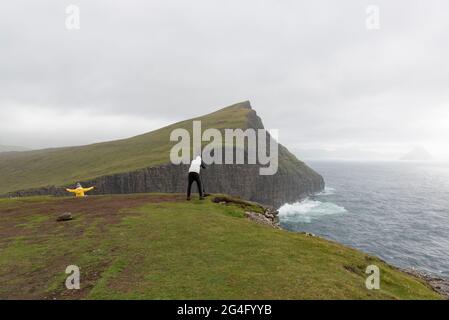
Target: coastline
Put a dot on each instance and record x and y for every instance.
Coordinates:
(270, 217)
(438, 284)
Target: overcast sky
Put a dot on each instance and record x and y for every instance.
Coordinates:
(311, 69)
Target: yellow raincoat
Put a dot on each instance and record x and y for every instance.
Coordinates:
(79, 192)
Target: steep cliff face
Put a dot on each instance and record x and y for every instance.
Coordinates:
(237, 180)
(294, 179)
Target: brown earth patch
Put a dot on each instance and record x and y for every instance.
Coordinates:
(13, 215)
(33, 221)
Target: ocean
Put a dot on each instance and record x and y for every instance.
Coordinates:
(398, 211)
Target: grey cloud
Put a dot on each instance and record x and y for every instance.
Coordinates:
(311, 69)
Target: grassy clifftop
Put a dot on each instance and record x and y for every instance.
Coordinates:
(159, 246)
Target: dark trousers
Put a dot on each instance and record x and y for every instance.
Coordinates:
(194, 177)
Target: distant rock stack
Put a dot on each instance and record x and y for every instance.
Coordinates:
(417, 154)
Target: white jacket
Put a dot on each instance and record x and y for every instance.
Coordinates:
(195, 166)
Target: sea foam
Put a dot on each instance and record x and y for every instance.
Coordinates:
(327, 191)
(308, 210)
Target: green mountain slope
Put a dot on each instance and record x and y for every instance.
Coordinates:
(61, 166)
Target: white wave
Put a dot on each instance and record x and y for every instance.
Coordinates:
(308, 210)
(327, 191)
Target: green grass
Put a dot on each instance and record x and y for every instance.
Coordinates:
(180, 250)
(33, 221)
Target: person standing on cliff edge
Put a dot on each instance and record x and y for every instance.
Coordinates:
(194, 176)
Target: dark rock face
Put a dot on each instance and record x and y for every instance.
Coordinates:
(262, 219)
(237, 180)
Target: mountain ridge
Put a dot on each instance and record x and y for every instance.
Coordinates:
(141, 164)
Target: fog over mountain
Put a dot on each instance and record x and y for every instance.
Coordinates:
(310, 68)
(345, 154)
(12, 148)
